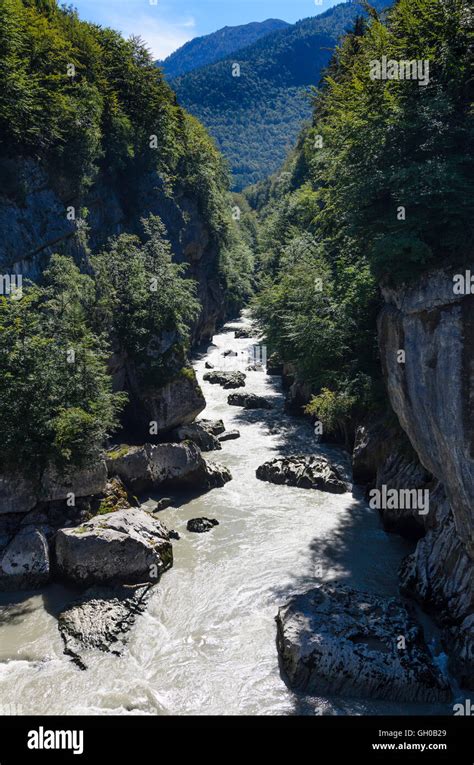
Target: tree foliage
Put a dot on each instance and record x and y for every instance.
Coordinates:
(332, 213)
(56, 399)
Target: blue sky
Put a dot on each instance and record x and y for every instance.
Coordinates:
(167, 24)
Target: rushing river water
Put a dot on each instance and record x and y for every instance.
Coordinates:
(206, 644)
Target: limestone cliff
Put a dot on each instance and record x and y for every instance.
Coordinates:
(34, 224)
(432, 393)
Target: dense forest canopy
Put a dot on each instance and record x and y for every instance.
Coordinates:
(379, 189)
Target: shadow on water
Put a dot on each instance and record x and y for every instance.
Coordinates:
(18, 607)
(348, 551)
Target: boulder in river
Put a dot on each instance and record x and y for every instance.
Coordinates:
(199, 434)
(146, 467)
(128, 546)
(333, 640)
(244, 332)
(216, 427)
(208, 365)
(100, 619)
(249, 401)
(226, 379)
(305, 472)
(162, 504)
(216, 475)
(229, 435)
(201, 525)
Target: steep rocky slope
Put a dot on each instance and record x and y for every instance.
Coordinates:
(433, 394)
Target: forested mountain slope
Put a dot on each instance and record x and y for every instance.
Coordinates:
(202, 51)
(256, 117)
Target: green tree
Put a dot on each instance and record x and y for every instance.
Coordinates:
(56, 399)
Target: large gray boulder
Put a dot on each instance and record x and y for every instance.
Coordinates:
(17, 494)
(333, 640)
(305, 472)
(143, 468)
(249, 401)
(199, 434)
(216, 427)
(127, 546)
(24, 563)
(84, 482)
(226, 379)
(101, 619)
(20, 494)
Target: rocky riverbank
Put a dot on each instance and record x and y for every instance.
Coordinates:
(189, 587)
(89, 530)
(425, 448)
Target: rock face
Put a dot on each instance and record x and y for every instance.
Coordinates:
(19, 494)
(373, 443)
(101, 619)
(432, 394)
(333, 640)
(143, 468)
(274, 365)
(298, 392)
(201, 525)
(34, 225)
(199, 434)
(440, 576)
(226, 379)
(249, 401)
(216, 427)
(25, 564)
(383, 457)
(128, 546)
(176, 402)
(306, 472)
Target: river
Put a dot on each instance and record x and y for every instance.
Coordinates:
(206, 644)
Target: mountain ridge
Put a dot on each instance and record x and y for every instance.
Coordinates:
(256, 116)
(208, 49)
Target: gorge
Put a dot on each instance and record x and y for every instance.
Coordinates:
(196, 406)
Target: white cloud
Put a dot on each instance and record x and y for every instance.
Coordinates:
(161, 37)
